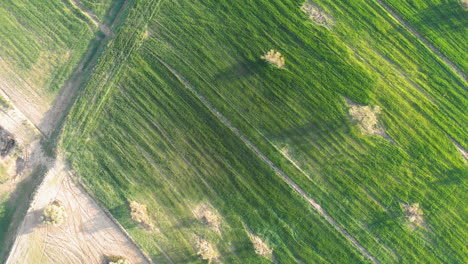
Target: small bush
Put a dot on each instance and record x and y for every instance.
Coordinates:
(117, 260)
(54, 214)
(275, 58)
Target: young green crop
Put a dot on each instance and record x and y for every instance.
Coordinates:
(148, 138)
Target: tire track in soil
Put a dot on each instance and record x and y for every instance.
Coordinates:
(426, 42)
(262, 156)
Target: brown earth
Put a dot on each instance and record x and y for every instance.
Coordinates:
(87, 235)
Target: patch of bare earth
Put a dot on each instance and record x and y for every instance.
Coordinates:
(86, 236)
(317, 14)
(206, 214)
(19, 147)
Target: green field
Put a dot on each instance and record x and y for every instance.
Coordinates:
(149, 138)
(443, 23)
(43, 42)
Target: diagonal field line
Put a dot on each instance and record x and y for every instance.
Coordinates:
(426, 42)
(262, 156)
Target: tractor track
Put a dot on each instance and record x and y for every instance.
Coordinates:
(263, 157)
(426, 42)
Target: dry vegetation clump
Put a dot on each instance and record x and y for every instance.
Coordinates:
(275, 58)
(317, 14)
(54, 214)
(261, 248)
(464, 3)
(414, 214)
(117, 260)
(139, 213)
(206, 250)
(366, 116)
(208, 215)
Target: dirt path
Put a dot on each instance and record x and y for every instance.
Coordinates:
(89, 232)
(86, 237)
(262, 156)
(436, 51)
(88, 13)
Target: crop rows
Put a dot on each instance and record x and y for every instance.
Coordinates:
(149, 139)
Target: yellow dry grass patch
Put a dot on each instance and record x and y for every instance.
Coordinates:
(275, 58)
(261, 248)
(464, 3)
(206, 251)
(317, 14)
(139, 213)
(208, 215)
(366, 118)
(414, 214)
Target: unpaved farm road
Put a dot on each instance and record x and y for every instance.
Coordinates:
(262, 156)
(436, 51)
(89, 232)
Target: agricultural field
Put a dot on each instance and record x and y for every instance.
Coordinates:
(47, 51)
(186, 115)
(443, 23)
(41, 45)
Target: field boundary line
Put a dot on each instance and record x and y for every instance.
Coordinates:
(79, 182)
(263, 157)
(426, 42)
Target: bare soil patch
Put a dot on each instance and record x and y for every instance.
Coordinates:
(317, 14)
(86, 236)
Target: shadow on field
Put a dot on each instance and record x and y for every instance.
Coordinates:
(237, 71)
(443, 16)
(16, 208)
(36, 221)
(313, 131)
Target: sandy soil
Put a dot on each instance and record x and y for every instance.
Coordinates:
(87, 235)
